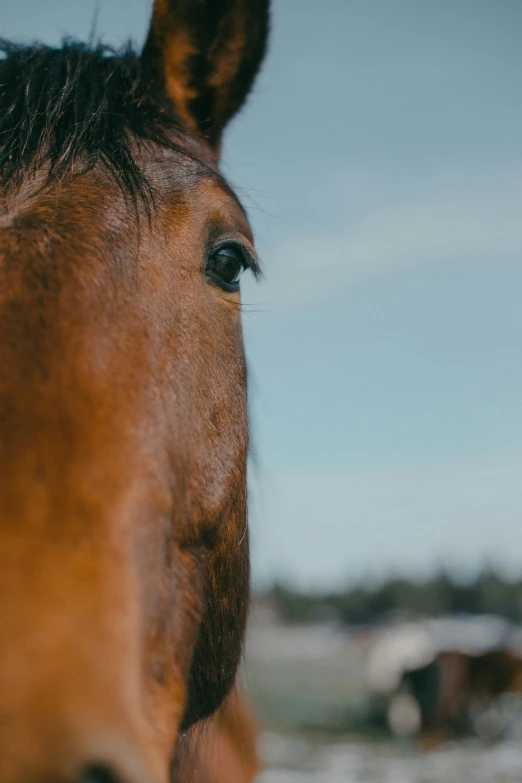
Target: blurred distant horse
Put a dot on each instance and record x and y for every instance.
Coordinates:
(123, 408)
(449, 687)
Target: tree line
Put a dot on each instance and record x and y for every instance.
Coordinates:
(489, 592)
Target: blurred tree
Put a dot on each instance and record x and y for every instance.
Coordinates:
(489, 592)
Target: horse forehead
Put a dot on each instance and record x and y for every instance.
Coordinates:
(85, 192)
(97, 202)
(73, 207)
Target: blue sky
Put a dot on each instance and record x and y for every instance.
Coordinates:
(380, 159)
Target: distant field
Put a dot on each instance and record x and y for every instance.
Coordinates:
(308, 686)
(294, 760)
(310, 677)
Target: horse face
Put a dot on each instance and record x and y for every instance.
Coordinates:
(123, 411)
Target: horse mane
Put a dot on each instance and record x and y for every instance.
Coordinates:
(79, 105)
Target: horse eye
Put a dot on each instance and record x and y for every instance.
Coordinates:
(225, 267)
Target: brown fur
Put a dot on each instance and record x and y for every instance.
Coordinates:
(123, 448)
(207, 53)
(223, 749)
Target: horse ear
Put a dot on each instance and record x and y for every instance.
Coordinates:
(203, 56)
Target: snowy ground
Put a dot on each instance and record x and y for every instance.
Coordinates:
(294, 760)
(308, 685)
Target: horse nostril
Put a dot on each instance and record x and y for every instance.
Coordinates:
(98, 773)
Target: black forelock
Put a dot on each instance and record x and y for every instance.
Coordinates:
(78, 105)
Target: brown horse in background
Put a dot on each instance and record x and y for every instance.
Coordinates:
(123, 404)
(448, 688)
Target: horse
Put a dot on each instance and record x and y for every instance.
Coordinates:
(448, 688)
(223, 748)
(124, 565)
